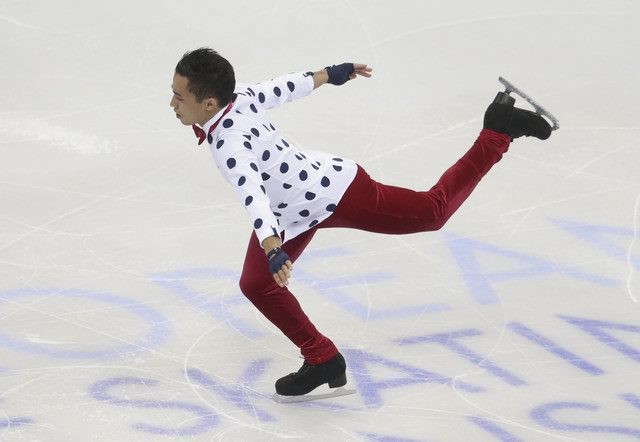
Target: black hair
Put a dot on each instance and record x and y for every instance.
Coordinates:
(210, 75)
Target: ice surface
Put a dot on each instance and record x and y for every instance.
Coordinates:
(120, 245)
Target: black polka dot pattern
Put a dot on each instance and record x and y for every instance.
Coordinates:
(283, 189)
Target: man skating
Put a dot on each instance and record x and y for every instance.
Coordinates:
(290, 194)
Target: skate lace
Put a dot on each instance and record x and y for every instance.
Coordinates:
(305, 368)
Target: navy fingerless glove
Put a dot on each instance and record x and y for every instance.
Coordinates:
(276, 257)
(339, 74)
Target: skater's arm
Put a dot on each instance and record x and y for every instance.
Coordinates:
(278, 91)
(238, 165)
(286, 88)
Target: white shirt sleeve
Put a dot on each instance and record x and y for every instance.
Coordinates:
(240, 168)
(281, 90)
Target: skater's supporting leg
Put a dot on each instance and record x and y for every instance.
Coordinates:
(279, 305)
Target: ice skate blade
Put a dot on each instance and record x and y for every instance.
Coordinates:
(340, 391)
(539, 109)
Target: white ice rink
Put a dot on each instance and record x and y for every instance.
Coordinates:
(120, 244)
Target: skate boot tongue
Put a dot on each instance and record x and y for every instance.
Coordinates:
(504, 98)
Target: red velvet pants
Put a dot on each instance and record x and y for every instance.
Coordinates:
(375, 207)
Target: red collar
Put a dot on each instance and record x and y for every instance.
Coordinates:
(200, 132)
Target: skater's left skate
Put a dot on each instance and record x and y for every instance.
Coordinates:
(295, 386)
(502, 116)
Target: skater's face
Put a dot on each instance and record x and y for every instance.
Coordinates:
(187, 108)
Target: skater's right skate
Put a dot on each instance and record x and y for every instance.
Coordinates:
(295, 386)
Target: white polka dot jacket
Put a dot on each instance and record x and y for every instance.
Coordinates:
(284, 190)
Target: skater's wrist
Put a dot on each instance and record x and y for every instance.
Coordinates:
(319, 78)
(270, 243)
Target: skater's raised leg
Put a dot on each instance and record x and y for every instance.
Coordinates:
(376, 207)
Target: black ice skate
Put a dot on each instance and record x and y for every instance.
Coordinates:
(295, 386)
(501, 116)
